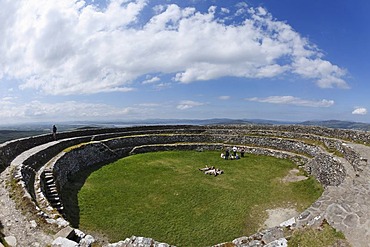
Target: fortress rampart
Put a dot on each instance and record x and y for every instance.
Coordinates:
(42, 167)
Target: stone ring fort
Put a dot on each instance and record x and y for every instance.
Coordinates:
(39, 167)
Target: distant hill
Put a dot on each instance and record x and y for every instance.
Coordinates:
(7, 135)
(338, 124)
(198, 122)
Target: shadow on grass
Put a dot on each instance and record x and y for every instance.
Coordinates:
(69, 194)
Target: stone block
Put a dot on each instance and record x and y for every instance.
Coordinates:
(11, 241)
(272, 234)
(63, 242)
(66, 232)
(282, 242)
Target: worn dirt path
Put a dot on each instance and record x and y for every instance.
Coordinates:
(16, 225)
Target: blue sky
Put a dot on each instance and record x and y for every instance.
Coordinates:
(291, 60)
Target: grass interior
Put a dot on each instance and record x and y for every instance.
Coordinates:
(164, 196)
(322, 237)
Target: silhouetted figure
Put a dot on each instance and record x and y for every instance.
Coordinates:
(55, 132)
(227, 154)
(242, 151)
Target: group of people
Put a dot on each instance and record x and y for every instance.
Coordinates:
(233, 153)
(211, 170)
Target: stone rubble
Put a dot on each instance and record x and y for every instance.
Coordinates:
(139, 242)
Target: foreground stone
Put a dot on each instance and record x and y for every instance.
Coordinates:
(139, 242)
(69, 236)
(11, 241)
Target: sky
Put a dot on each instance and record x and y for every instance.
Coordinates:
(123, 60)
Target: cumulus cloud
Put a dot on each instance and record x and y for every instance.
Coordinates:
(71, 47)
(291, 100)
(359, 111)
(327, 74)
(187, 104)
(151, 80)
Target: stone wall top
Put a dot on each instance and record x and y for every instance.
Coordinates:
(9, 150)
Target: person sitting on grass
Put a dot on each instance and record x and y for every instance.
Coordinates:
(227, 154)
(206, 168)
(211, 170)
(242, 151)
(214, 171)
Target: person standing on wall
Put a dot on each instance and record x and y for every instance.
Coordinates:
(55, 132)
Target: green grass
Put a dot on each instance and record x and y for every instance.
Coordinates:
(164, 196)
(322, 237)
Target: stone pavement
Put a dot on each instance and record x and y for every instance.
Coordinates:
(346, 207)
(17, 226)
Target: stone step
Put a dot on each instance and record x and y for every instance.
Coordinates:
(52, 192)
(54, 198)
(50, 181)
(56, 204)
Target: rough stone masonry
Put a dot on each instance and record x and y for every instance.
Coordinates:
(344, 173)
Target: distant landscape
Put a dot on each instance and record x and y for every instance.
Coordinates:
(16, 131)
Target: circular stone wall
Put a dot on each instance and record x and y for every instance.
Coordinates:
(41, 166)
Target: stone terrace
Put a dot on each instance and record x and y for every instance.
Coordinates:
(40, 168)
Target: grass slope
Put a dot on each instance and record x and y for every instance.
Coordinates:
(164, 196)
(322, 237)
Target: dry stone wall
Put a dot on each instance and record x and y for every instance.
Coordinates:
(307, 146)
(79, 159)
(343, 134)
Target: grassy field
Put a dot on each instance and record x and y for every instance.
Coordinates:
(164, 196)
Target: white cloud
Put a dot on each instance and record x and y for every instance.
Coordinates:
(163, 85)
(359, 111)
(8, 100)
(327, 74)
(36, 110)
(151, 80)
(187, 104)
(70, 47)
(291, 100)
(225, 10)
